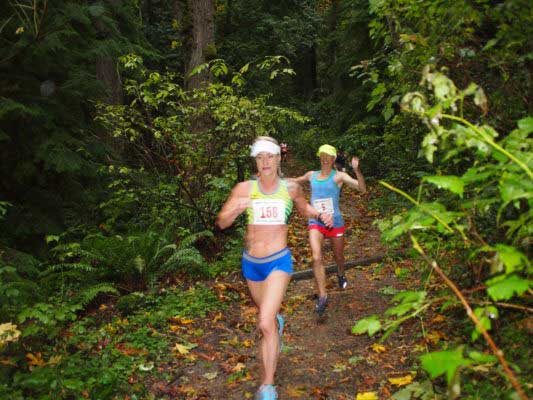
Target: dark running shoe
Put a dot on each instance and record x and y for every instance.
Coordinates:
(343, 283)
(321, 305)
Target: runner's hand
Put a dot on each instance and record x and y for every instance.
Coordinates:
(327, 219)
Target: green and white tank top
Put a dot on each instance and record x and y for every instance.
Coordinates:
(269, 209)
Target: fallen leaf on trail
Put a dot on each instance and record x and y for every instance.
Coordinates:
(175, 328)
(187, 390)
(435, 337)
(206, 357)
(102, 307)
(367, 396)
(355, 359)
(248, 395)
(296, 391)
(401, 381)
(233, 342)
(218, 317)
(36, 359)
(181, 320)
(247, 311)
(183, 349)
(247, 343)
(128, 351)
(379, 348)
(438, 318)
(239, 367)
(210, 375)
(339, 367)
(146, 367)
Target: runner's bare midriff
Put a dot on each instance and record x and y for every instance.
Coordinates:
(262, 241)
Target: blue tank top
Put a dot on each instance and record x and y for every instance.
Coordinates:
(325, 198)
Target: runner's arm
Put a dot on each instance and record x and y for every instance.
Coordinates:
(358, 183)
(237, 202)
(304, 208)
(302, 179)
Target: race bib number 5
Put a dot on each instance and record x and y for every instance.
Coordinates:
(324, 205)
(269, 211)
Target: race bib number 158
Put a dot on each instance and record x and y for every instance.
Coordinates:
(269, 211)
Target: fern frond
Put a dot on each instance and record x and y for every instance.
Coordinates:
(69, 267)
(183, 257)
(89, 294)
(191, 239)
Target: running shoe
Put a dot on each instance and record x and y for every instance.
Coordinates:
(281, 324)
(343, 283)
(266, 392)
(321, 304)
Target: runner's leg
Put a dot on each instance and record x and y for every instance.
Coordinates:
(338, 253)
(268, 296)
(315, 239)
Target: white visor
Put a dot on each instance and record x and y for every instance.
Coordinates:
(264, 146)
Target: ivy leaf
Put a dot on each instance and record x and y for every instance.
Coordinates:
(369, 325)
(444, 362)
(504, 287)
(512, 258)
(450, 182)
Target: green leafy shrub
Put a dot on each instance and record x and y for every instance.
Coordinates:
(495, 188)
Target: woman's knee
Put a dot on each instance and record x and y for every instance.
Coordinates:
(317, 258)
(267, 326)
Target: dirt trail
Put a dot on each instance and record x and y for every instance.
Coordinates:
(321, 359)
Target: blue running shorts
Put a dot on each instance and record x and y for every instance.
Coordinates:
(258, 268)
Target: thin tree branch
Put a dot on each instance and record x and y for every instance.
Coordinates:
(497, 352)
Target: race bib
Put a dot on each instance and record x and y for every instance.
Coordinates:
(324, 205)
(269, 211)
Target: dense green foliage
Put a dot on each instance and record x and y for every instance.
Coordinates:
(112, 172)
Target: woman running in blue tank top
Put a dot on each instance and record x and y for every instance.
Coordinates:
(266, 261)
(326, 186)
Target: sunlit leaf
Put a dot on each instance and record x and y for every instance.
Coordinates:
(449, 182)
(369, 325)
(444, 362)
(367, 396)
(210, 375)
(401, 381)
(35, 359)
(378, 348)
(239, 367)
(504, 287)
(183, 349)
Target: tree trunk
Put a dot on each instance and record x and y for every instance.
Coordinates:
(332, 46)
(106, 72)
(203, 41)
(310, 81)
(106, 67)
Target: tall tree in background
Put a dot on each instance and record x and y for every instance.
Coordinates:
(106, 64)
(202, 40)
(56, 58)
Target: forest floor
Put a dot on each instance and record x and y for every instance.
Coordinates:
(321, 359)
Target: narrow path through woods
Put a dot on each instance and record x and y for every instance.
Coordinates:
(320, 360)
